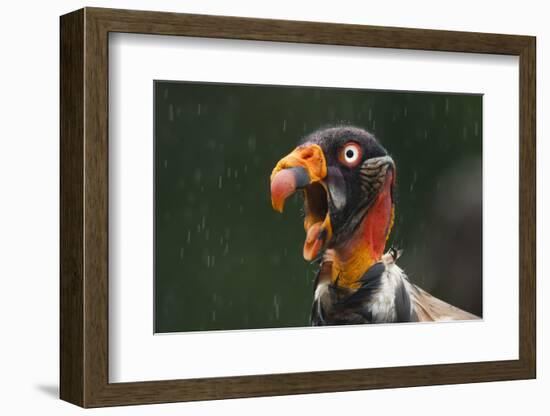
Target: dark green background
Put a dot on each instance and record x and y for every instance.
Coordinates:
(225, 260)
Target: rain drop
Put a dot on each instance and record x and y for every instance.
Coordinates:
(252, 143)
(197, 175)
(276, 305)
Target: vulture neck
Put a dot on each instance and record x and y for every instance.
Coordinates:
(351, 259)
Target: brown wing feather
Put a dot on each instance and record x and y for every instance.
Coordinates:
(430, 308)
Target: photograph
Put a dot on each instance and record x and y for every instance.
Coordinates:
(277, 203)
(296, 206)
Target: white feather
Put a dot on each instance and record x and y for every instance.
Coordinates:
(382, 304)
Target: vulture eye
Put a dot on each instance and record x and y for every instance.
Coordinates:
(350, 154)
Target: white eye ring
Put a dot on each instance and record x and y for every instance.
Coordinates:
(351, 154)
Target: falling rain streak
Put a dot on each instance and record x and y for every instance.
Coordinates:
(252, 143)
(171, 112)
(276, 306)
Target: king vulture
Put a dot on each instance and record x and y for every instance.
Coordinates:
(348, 181)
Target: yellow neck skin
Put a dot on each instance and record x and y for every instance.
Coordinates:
(366, 247)
(350, 263)
(347, 270)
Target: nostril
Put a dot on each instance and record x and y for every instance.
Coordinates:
(307, 154)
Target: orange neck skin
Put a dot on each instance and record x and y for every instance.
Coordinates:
(354, 257)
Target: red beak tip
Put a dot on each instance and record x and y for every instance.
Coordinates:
(283, 185)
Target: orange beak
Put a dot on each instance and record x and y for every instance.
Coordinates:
(304, 165)
(304, 169)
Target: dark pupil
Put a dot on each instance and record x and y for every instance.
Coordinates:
(349, 153)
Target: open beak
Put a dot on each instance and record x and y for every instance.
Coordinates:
(305, 168)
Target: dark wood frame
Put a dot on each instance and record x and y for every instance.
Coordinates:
(84, 207)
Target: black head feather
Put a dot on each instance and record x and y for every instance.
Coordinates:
(351, 189)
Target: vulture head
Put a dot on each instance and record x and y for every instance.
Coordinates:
(347, 179)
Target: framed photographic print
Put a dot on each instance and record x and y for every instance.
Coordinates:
(257, 207)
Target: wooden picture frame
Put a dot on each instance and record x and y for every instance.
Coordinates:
(84, 207)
